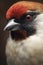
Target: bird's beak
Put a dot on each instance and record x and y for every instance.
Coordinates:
(12, 25)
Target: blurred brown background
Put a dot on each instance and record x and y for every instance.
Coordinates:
(4, 5)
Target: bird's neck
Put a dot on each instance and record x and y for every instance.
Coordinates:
(40, 29)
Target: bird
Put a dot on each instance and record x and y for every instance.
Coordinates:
(25, 26)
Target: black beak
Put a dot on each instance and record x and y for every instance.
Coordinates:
(12, 25)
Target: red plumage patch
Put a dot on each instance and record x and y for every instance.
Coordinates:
(19, 8)
(16, 11)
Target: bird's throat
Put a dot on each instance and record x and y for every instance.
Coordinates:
(18, 35)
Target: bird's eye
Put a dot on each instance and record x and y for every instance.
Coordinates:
(28, 18)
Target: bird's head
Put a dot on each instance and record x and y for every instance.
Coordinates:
(23, 17)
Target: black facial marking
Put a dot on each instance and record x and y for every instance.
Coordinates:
(33, 14)
(28, 26)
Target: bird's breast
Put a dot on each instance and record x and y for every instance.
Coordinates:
(26, 52)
